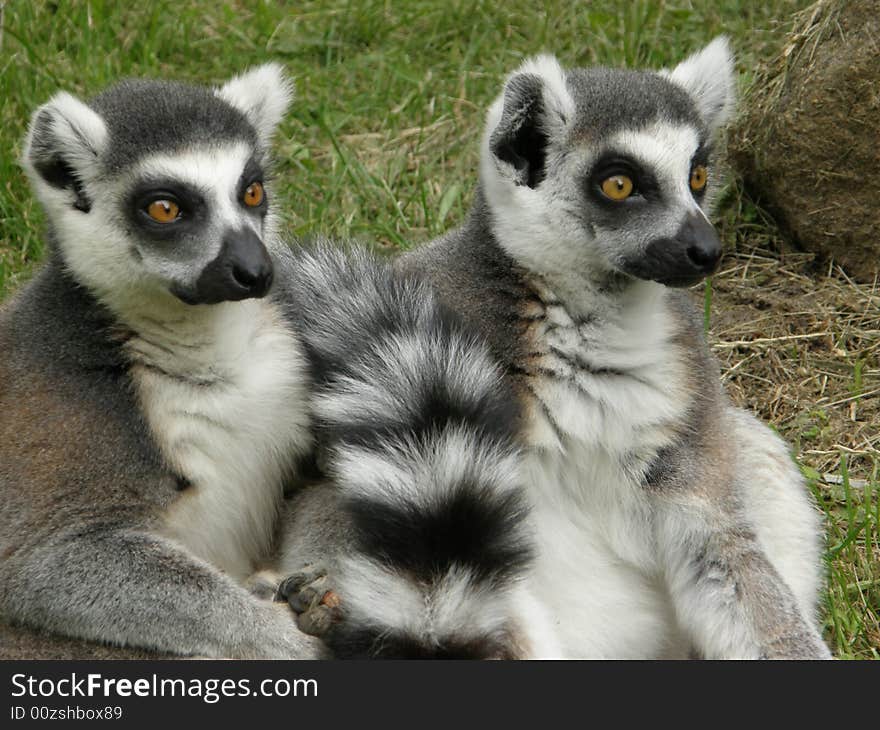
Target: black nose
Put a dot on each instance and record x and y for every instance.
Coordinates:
(252, 277)
(703, 247)
(242, 270)
(682, 260)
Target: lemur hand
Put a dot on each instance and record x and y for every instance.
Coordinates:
(317, 606)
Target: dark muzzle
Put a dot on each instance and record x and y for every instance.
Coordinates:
(682, 260)
(242, 270)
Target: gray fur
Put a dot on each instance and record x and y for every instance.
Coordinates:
(546, 283)
(82, 490)
(485, 285)
(147, 439)
(140, 112)
(416, 433)
(86, 490)
(610, 100)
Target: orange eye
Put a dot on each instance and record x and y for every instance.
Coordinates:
(254, 194)
(617, 187)
(699, 178)
(163, 211)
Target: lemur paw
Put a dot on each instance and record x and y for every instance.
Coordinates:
(317, 606)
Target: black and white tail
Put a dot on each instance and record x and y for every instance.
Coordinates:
(419, 435)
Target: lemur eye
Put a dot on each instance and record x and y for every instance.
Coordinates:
(254, 194)
(163, 211)
(699, 178)
(617, 187)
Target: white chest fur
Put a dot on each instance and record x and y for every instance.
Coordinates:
(225, 398)
(607, 393)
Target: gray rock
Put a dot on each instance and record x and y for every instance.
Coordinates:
(808, 142)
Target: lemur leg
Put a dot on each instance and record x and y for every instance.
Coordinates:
(727, 592)
(184, 606)
(779, 507)
(23, 642)
(316, 530)
(316, 534)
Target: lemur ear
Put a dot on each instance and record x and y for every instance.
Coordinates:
(64, 144)
(535, 104)
(708, 76)
(262, 94)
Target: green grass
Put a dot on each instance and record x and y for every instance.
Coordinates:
(381, 141)
(853, 601)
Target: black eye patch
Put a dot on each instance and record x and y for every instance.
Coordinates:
(609, 165)
(253, 172)
(703, 154)
(190, 201)
(701, 160)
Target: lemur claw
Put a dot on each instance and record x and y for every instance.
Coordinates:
(317, 607)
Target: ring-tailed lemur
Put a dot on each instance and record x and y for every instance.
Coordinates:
(668, 522)
(154, 394)
(152, 399)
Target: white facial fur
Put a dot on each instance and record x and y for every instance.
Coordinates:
(215, 172)
(667, 150)
(121, 268)
(532, 226)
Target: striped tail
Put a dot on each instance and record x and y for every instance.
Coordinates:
(418, 432)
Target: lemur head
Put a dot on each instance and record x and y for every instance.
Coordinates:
(608, 172)
(159, 187)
